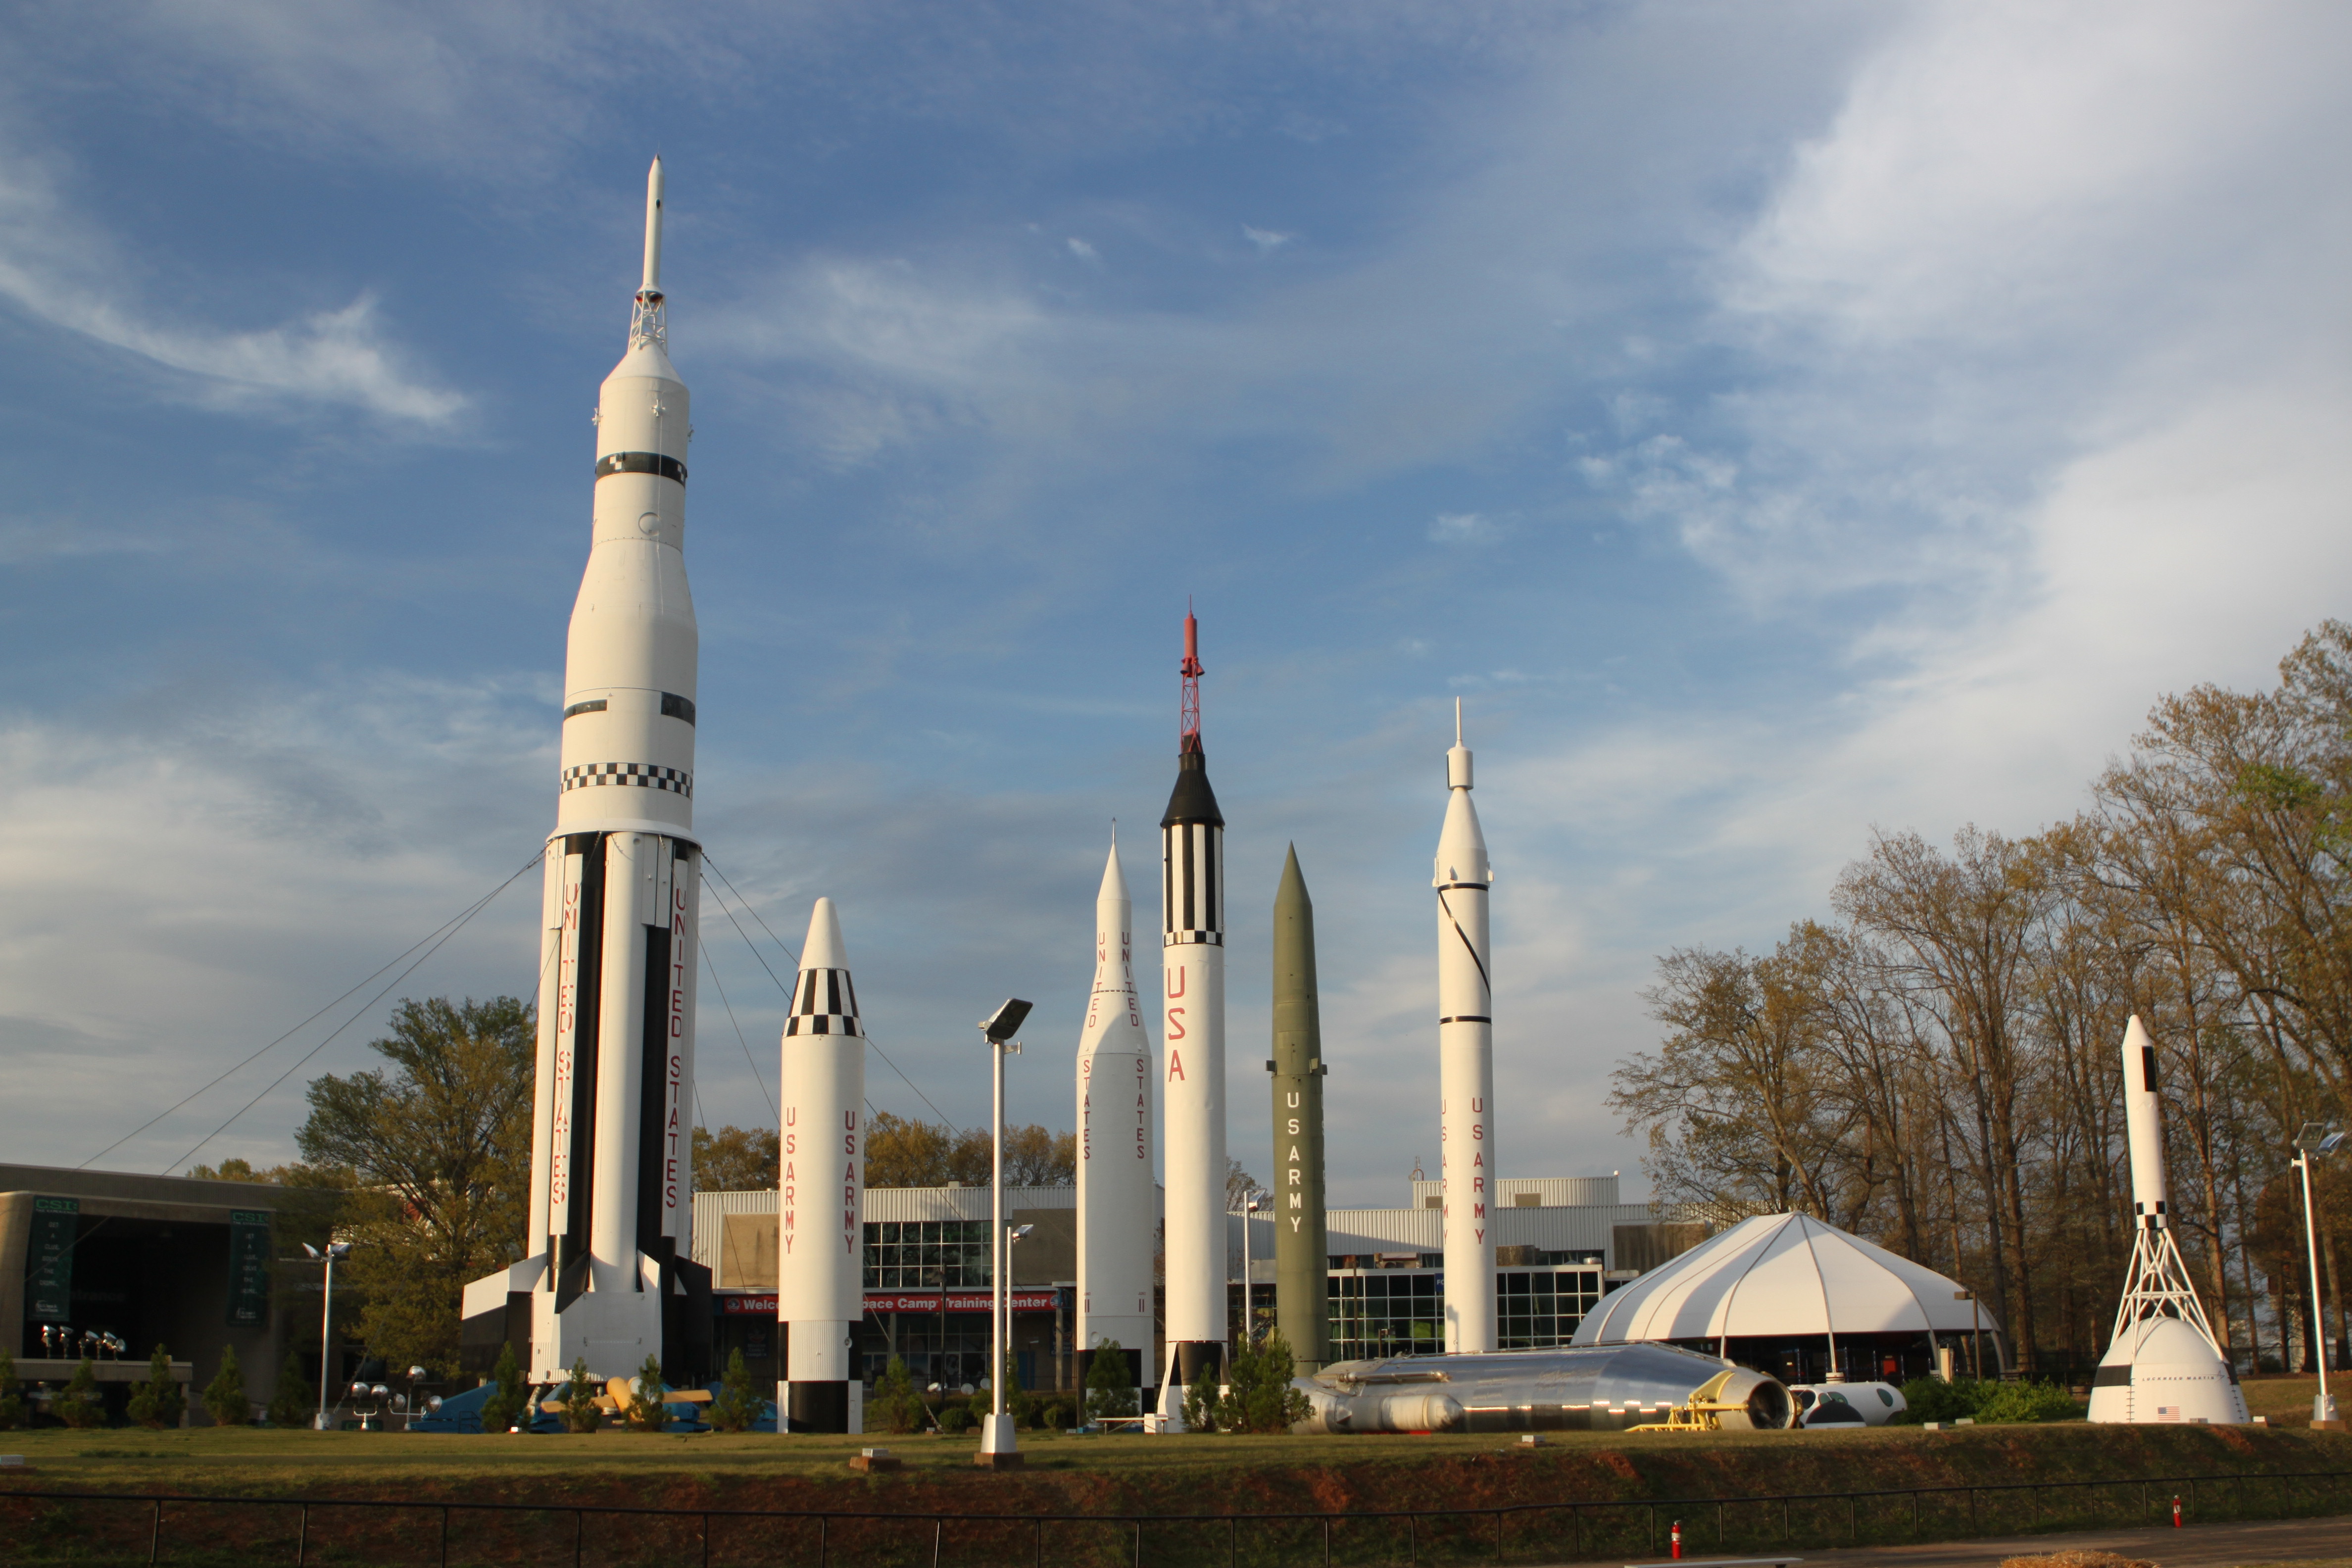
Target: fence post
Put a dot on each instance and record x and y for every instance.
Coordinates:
(821, 1544)
(1326, 1540)
(1039, 1523)
(1139, 1543)
(576, 1529)
(302, 1536)
(938, 1530)
(1853, 1521)
(1412, 1541)
(155, 1533)
(706, 1541)
(1498, 1540)
(445, 1535)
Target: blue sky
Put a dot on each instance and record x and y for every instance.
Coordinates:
(1771, 421)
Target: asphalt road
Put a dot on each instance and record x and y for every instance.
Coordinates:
(2196, 1546)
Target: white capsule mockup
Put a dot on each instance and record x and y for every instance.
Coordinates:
(1192, 1081)
(611, 1278)
(2164, 1364)
(820, 1247)
(1117, 1203)
(1465, 1061)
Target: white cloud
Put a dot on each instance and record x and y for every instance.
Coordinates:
(1082, 250)
(1266, 240)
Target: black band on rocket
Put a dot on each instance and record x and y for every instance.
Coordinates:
(1465, 1018)
(641, 463)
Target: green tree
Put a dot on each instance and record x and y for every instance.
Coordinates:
(1019, 1403)
(903, 1153)
(12, 1401)
(648, 1409)
(1258, 1394)
(1202, 1402)
(225, 1399)
(738, 1405)
(579, 1397)
(78, 1406)
(438, 1151)
(897, 1405)
(508, 1400)
(1109, 1392)
(735, 1160)
(158, 1401)
(289, 1405)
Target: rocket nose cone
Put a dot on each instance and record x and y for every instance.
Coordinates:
(1293, 888)
(823, 949)
(2136, 1038)
(1114, 882)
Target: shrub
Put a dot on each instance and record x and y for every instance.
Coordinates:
(509, 1403)
(1201, 1402)
(291, 1406)
(738, 1405)
(898, 1408)
(225, 1399)
(158, 1401)
(1258, 1395)
(12, 1401)
(1056, 1417)
(1109, 1392)
(79, 1406)
(956, 1418)
(2011, 1401)
(648, 1409)
(579, 1396)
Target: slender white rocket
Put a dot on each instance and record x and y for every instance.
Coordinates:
(612, 1179)
(1465, 1060)
(1192, 1082)
(1116, 1200)
(820, 1251)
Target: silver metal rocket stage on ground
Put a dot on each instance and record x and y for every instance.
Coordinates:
(609, 1280)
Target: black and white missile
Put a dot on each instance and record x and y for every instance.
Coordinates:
(1465, 1061)
(1118, 1206)
(2165, 1364)
(610, 1279)
(820, 1249)
(1192, 1083)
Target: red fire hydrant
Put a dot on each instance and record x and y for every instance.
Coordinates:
(2176, 1510)
(1676, 1537)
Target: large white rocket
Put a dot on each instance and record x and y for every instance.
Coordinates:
(1115, 1192)
(1192, 1084)
(1465, 1060)
(611, 1278)
(2165, 1364)
(820, 1251)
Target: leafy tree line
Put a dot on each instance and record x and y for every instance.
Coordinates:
(1937, 1067)
(900, 1152)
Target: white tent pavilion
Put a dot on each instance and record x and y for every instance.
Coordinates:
(1787, 1289)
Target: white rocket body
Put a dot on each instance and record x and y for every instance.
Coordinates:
(612, 1173)
(1192, 1081)
(1465, 1062)
(820, 1251)
(1117, 1221)
(2164, 1364)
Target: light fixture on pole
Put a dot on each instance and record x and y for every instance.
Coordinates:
(335, 1250)
(2317, 1137)
(1250, 1206)
(997, 1449)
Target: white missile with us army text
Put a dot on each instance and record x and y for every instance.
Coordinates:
(820, 1238)
(1465, 1061)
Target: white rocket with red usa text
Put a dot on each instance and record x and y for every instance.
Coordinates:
(820, 1244)
(1193, 1080)
(1465, 1061)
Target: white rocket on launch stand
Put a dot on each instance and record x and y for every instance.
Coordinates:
(1116, 1195)
(1465, 1061)
(611, 1279)
(1193, 980)
(820, 1249)
(2165, 1364)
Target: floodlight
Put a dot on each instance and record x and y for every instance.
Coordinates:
(1007, 1021)
(1018, 1231)
(2319, 1138)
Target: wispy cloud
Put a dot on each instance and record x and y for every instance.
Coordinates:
(1266, 240)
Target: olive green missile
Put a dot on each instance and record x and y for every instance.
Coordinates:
(1300, 1242)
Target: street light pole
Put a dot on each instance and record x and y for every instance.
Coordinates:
(335, 1249)
(2316, 1139)
(997, 1448)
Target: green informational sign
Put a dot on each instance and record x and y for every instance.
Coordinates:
(49, 1283)
(248, 1268)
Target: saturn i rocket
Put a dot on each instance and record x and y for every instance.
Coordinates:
(610, 1279)
(820, 1249)
(2165, 1364)
(1117, 1200)
(1465, 1061)
(1192, 1083)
